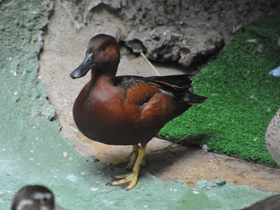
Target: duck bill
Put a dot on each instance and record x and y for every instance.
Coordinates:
(85, 66)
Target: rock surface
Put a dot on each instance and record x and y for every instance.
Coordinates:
(182, 32)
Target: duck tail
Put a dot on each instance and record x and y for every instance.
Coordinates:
(194, 99)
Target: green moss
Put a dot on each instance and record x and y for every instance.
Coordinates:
(243, 97)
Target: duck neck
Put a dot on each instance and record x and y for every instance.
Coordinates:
(104, 75)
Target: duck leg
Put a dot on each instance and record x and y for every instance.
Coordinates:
(132, 156)
(128, 181)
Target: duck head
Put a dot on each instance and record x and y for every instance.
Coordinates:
(33, 197)
(102, 57)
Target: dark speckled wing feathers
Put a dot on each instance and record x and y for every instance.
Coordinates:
(175, 85)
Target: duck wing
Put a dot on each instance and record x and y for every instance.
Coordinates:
(177, 85)
(140, 89)
(161, 97)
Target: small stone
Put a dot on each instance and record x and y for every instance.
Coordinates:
(204, 148)
(93, 189)
(220, 182)
(186, 60)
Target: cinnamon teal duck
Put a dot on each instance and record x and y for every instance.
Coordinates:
(34, 197)
(126, 110)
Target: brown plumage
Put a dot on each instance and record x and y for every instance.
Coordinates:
(126, 110)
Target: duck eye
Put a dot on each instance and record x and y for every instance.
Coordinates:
(45, 200)
(103, 48)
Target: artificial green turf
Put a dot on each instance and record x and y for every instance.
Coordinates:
(242, 96)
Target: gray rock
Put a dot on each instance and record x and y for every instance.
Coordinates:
(174, 44)
(177, 31)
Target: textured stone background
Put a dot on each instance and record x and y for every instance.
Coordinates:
(176, 31)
